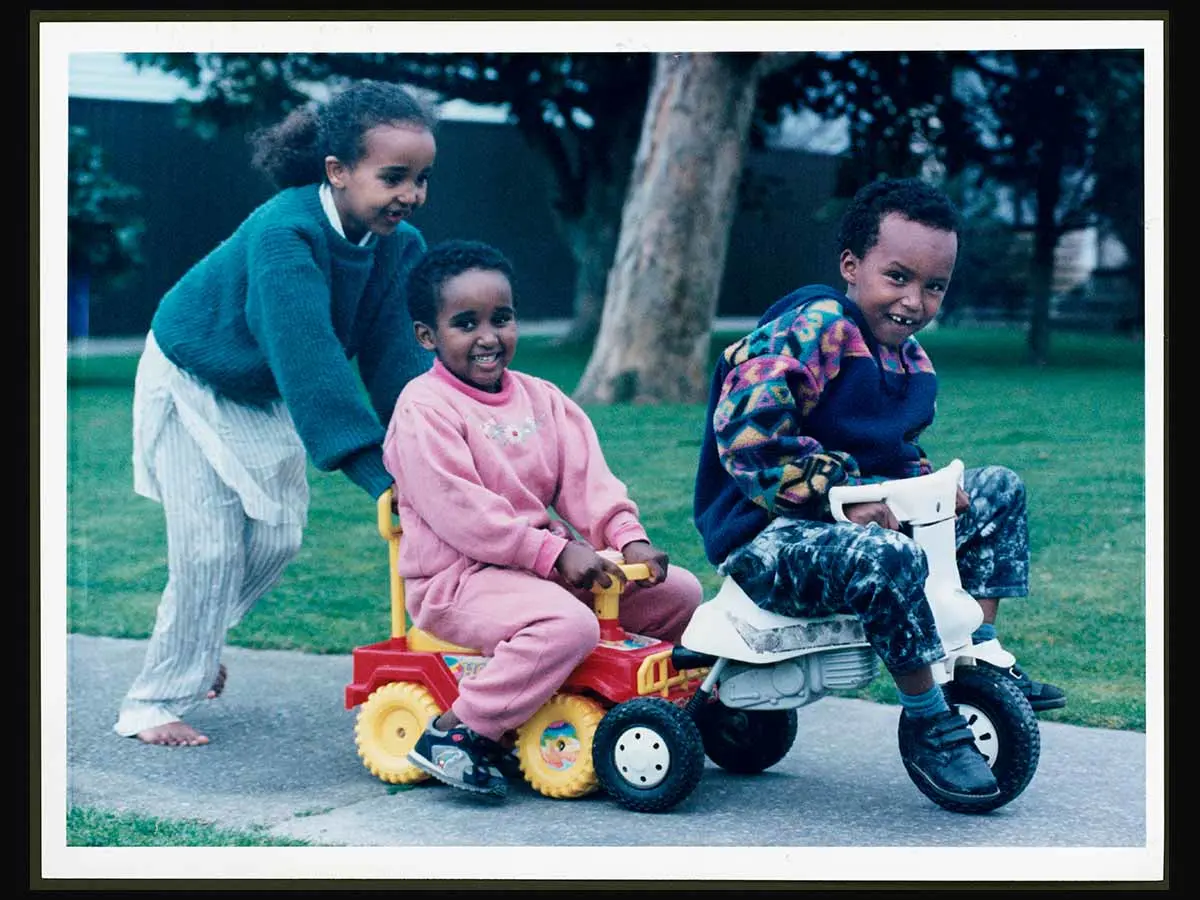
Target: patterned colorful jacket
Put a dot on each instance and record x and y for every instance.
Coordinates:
(806, 401)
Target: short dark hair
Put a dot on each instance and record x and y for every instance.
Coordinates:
(442, 262)
(912, 198)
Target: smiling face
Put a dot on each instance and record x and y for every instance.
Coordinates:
(387, 184)
(476, 331)
(900, 283)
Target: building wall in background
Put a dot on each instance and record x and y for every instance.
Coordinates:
(487, 185)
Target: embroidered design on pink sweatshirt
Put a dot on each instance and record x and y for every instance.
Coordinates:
(511, 433)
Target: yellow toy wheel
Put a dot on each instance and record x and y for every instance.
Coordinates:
(389, 723)
(555, 746)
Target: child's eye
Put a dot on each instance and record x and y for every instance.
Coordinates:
(502, 318)
(898, 277)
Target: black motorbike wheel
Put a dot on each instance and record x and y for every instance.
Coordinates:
(648, 754)
(1006, 733)
(746, 741)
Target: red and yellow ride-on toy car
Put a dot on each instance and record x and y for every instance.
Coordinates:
(618, 723)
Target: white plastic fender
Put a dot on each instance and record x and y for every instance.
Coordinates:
(926, 503)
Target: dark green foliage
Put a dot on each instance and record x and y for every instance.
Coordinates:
(103, 225)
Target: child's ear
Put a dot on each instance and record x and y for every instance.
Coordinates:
(424, 335)
(335, 171)
(849, 266)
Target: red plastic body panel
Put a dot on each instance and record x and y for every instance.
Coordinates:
(611, 672)
(378, 664)
(608, 672)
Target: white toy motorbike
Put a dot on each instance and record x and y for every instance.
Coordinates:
(765, 665)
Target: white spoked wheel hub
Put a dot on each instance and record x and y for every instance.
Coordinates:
(986, 737)
(642, 757)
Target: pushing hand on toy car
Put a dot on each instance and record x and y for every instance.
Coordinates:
(582, 567)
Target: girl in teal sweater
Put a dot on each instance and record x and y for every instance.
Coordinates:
(249, 371)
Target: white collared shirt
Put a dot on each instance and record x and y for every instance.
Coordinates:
(334, 219)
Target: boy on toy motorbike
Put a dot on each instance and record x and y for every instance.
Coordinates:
(833, 388)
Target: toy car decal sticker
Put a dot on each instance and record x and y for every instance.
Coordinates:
(835, 631)
(462, 666)
(560, 745)
(631, 642)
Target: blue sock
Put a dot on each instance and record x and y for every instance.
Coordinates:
(928, 703)
(985, 632)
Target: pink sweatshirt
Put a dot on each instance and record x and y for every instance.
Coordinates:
(476, 474)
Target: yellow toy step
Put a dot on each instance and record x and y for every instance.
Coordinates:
(426, 642)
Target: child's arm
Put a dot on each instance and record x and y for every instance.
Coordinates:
(435, 473)
(590, 497)
(288, 312)
(773, 382)
(390, 356)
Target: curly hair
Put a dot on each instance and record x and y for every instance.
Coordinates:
(912, 198)
(292, 152)
(444, 261)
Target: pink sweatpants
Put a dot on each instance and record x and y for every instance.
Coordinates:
(536, 632)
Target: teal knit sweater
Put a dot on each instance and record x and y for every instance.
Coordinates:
(280, 309)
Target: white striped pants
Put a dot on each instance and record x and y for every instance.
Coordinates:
(220, 560)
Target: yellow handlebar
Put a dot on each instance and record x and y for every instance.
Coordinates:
(635, 571)
(607, 602)
(389, 529)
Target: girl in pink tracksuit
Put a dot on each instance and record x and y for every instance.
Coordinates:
(481, 455)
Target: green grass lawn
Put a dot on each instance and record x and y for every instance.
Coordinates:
(1074, 429)
(88, 827)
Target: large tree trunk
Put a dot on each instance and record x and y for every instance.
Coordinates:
(654, 335)
(1048, 189)
(1045, 238)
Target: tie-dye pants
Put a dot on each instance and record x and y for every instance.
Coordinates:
(803, 568)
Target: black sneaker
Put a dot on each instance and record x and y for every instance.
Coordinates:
(941, 750)
(509, 764)
(460, 758)
(1041, 696)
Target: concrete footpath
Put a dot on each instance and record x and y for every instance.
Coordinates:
(283, 761)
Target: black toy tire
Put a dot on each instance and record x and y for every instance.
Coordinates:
(746, 741)
(1006, 732)
(675, 754)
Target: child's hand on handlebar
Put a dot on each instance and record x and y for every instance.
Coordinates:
(653, 558)
(961, 501)
(873, 511)
(582, 567)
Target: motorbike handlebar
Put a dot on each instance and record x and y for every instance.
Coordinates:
(924, 497)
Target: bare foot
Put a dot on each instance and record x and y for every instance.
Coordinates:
(172, 734)
(218, 684)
